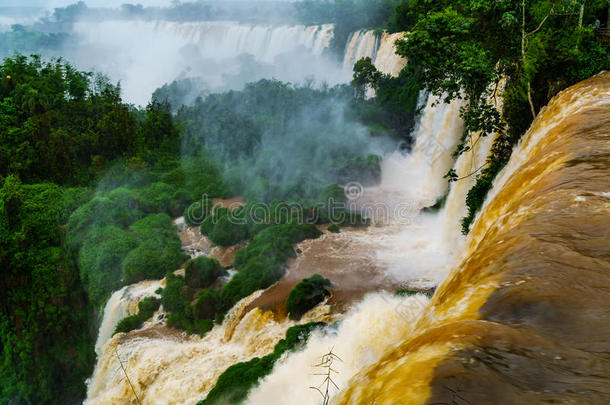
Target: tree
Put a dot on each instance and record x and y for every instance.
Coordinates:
(463, 51)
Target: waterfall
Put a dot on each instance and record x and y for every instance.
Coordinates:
(412, 251)
(168, 366)
(121, 304)
(380, 48)
(265, 43)
(145, 55)
(420, 251)
(410, 248)
(374, 326)
(524, 312)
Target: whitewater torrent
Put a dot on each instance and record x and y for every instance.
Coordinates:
(225, 55)
(122, 304)
(166, 366)
(523, 316)
(228, 39)
(405, 249)
(423, 246)
(418, 250)
(370, 329)
(380, 48)
(414, 248)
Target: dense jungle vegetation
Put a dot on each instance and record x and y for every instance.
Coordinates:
(524, 51)
(89, 189)
(89, 185)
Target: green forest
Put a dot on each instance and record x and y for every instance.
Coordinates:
(89, 184)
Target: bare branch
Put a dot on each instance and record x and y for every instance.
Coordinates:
(126, 376)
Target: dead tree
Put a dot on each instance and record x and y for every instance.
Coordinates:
(327, 364)
(116, 352)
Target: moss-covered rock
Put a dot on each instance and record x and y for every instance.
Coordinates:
(334, 228)
(306, 295)
(146, 309)
(206, 304)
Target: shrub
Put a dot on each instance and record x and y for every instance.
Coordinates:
(259, 273)
(155, 223)
(332, 205)
(179, 320)
(306, 295)
(334, 228)
(476, 195)
(262, 262)
(174, 296)
(203, 326)
(128, 324)
(156, 197)
(151, 259)
(146, 309)
(206, 304)
(227, 232)
(158, 251)
(148, 306)
(202, 272)
(207, 225)
(102, 211)
(100, 260)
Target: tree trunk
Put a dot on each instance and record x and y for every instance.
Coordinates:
(523, 55)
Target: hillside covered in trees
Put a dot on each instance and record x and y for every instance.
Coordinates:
(89, 184)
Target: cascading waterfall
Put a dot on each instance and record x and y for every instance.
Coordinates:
(418, 179)
(413, 252)
(379, 47)
(524, 313)
(225, 55)
(227, 39)
(361, 44)
(121, 304)
(167, 366)
(372, 327)
(170, 367)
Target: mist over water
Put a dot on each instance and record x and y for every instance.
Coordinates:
(145, 55)
(299, 148)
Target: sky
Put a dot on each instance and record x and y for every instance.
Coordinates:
(90, 3)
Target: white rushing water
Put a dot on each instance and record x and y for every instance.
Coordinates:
(380, 48)
(144, 55)
(167, 366)
(370, 329)
(418, 248)
(122, 304)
